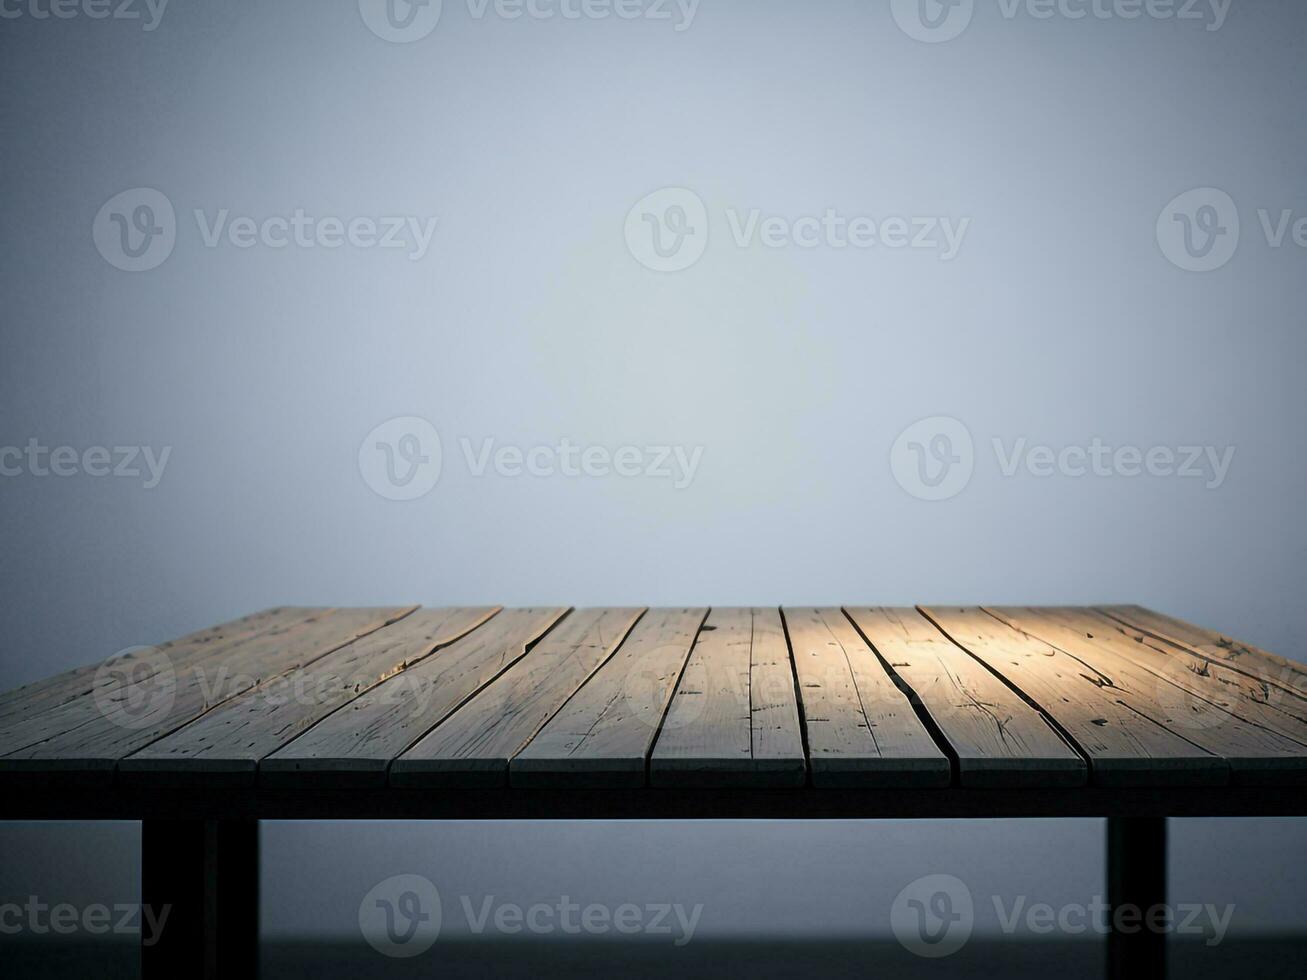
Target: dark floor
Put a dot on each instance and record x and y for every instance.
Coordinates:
(1266, 960)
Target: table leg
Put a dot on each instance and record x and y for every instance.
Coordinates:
(203, 875)
(1136, 882)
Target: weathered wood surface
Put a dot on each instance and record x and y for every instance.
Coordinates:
(862, 730)
(997, 738)
(1125, 745)
(761, 700)
(474, 745)
(356, 745)
(1289, 675)
(43, 695)
(1185, 694)
(232, 738)
(602, 735)
(151, 694)
(734, 720)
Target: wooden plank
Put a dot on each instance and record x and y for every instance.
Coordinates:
(43, 695)
(861, 728)
(1197, 705)
(734, 720)
(997, 738)
(1286, 709)
(1124, 747)
(1288, 675)
(473, 746)
(355, 746)
(146, 678)
(160, 695)
(602, 736)
(229, 741)
(1207, 681)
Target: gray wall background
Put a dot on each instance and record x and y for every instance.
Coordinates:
(529, 320)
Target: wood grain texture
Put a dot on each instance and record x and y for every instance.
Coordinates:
(616, 700)
(1238, 691)
(1288, 675)
(1254, 700)
(355, 746)
(1124, 746)
(473, 746)
(997, 738)
(1195, 703)
(162, 693)
(45, 695)
(861, 729)
(232, 738)
(734, 720)
(603, 734)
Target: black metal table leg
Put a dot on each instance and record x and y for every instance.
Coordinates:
(200, 898)
(1136, 883)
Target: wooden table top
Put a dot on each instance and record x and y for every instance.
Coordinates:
(720, 705)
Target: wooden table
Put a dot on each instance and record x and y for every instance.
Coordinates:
(489, 713)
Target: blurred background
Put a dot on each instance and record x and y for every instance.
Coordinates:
(862, 269)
